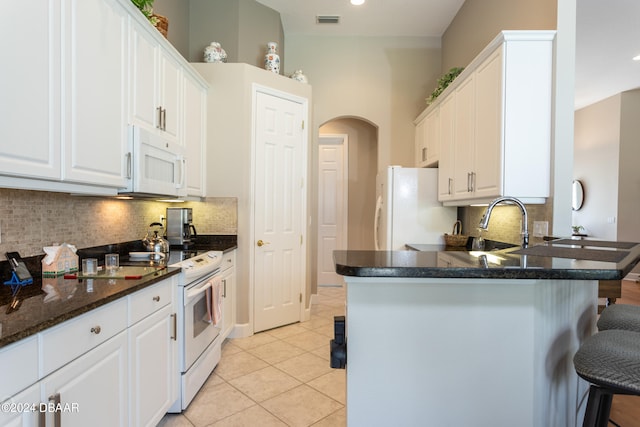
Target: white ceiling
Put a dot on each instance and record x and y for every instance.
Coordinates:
(607, 33)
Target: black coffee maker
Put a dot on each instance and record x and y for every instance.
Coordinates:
(180, 228)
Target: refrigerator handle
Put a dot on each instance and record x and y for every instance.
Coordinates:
(376, 221)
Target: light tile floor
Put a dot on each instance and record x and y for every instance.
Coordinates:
(279, 377)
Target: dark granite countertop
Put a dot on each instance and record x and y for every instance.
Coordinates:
(559, 259)
(50, 301)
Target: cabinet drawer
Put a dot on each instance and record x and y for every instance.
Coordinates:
(63, 343)
(228, 260)
(19, 363)
(149, 300)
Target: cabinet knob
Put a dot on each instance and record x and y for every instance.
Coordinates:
(96, 330)
(156, 298)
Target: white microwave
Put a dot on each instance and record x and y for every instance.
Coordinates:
(155, 165)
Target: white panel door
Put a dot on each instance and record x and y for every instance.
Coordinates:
(279, 274)
(332, 206)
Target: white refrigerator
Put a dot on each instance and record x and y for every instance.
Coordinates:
(407, 209)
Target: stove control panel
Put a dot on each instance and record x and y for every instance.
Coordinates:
(200, 265)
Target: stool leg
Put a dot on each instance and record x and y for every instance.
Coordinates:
(598, 407)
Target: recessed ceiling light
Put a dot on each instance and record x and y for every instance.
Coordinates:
(636, 58)
(357, 2)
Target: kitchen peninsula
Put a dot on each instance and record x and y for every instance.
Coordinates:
(449, 338)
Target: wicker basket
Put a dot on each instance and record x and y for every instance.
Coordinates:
(162, 24)
(456, 239)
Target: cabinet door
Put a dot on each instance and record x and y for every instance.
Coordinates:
(95, 92)
(153, 367)
(92, 388)
(464, 118)
(431, 152)
(170, 98)
(488, 162)
(29, 89)
(194, 135)
(20, 413)
(447, 140)
(144, 74)
(420, 143)
(228, 305)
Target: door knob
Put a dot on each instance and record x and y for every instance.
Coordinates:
(261, 243)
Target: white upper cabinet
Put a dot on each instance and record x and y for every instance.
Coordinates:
(495, 123)
(428, 139)
(195, 134)
(29, 89)
(156, 80)
(97, 67)
(95, 92)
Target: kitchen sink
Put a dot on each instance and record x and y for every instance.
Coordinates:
(491, 245)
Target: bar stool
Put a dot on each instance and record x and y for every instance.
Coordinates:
(610, 361)
(620, 316)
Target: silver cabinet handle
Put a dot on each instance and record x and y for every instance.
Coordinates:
(96, 329)
(129, 165)
(473, 181)
(174, 330)
(57, 417)
(159, 121)
(224, 289)
(424, 154)
(156, 298)
(450, 185)
(164, 119)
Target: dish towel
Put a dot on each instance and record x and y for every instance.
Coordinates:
(214, 301)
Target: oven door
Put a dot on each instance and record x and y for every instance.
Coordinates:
(199, 331)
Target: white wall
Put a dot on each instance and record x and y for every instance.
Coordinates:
(605, 160)
(383, 80)
(596, 152)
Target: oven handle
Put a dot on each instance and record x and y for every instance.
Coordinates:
(197, 290)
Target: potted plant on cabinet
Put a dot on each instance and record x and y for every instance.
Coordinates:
(146, 7)
(158, 21)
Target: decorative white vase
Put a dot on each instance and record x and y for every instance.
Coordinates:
(272, 59)
(215, 53)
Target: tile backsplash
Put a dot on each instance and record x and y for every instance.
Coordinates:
(30, 220)
(505, 224)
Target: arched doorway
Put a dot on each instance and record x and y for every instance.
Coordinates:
(360, 169)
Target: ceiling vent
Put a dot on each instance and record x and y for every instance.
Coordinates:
(327, 19)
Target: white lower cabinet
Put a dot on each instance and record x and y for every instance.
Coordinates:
(229, 290)
(91, 390)
(152, 368)
(98, 369)
(23, 409)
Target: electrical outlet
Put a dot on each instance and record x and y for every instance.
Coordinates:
(540, 228)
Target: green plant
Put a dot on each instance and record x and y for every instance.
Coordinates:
(577, 229)
(443, 82)
(146, 7)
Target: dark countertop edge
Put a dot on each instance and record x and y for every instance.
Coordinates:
(479, 273)
(143, 283)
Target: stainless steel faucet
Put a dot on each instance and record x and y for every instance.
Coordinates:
(484, 222)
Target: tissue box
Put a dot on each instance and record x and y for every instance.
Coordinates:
(59, 260)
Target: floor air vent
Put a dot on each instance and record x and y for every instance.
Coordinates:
(327, 19)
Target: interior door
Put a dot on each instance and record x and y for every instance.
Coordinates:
(279, 211)
(332, 205)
